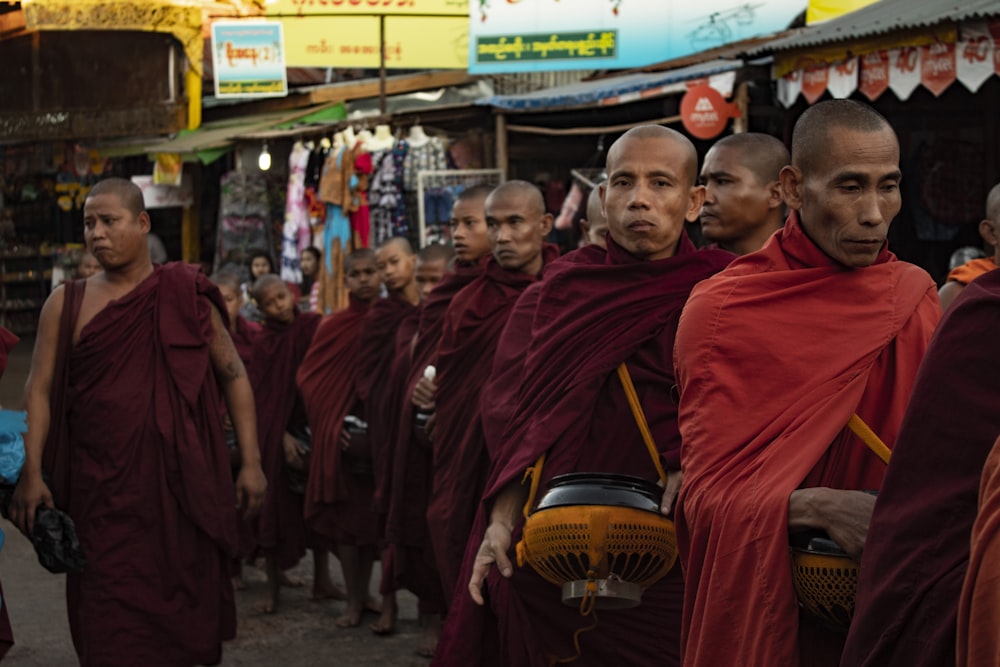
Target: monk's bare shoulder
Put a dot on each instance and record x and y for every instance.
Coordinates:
(225, 360)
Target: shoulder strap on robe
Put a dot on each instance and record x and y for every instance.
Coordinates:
(56, 456)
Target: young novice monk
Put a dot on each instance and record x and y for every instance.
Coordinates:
(277, 354)
(337, 505)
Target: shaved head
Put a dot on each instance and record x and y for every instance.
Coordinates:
(361, 254)
(435, 252)
(126, 191)
(993, 204)
(595, 207)
(266, 282)
(658, 132)
(532, 196)
(228, 279)
(398, 243)
(811, 137)
(762, 154)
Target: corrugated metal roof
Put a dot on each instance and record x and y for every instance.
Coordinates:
(590, 92)
(883, 17)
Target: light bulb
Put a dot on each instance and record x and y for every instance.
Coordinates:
(264, 161)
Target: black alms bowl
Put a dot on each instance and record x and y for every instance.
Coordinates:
(584, 488)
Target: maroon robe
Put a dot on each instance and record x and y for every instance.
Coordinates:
(243, 339)
(595, 309)
(379, 388)
(278, 352)
(469, 339)
(911, 575)
(406, 524)
(150, 488)
(338, 503)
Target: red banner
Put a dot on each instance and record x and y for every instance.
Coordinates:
(937, 67)
(874, 75)
(704, 112)
(814, 82)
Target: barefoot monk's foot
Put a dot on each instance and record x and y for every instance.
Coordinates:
(289, 581)
(429, 638)
(386, 623)
(328, 591)
(351, 618)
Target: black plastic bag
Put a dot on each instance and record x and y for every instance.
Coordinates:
(54, 536)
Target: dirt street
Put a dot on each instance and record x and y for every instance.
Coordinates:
(302, 632)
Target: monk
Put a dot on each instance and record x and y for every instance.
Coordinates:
(278, 351)
(743, 203)
(594, 226)
(432, 264)
(977, 613)
(385, 338)
(774, 355)
(517, 223)
(338, 498)
(123, 405)
(989, 229)
(406, 527)
(243, 333)
(912, 573)
(595, 310)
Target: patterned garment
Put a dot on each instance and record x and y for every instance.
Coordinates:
(243, 220)
(296, 233)
(429, 157)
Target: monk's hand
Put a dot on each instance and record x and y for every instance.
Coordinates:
(424, 394)
(293, 451)
(251, 485)
(494, 548)
(30, 494)
(670, 491)
(844, 515)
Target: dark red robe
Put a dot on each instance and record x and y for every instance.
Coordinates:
(979, 608)
(278, 352)
(406, 524)
(379, 386)
(595, 309)
(243, 339)
(469, 339)
(911, 575)
(773, 356)
(150, 488)
(337, 504)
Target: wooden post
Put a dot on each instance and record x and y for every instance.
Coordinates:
(191, 219)
(501, 143)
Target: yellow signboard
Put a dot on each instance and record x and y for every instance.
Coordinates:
(411, 42)
(387, 7)
(823, 10)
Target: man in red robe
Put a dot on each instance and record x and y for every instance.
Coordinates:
(338, 498)
(594, 310)
(517, 224)
(913, 566)
(406, 527)
(774, 355)
(134, 446)
(380, 390)
(979, 608)
(989, 229)
(281, 421)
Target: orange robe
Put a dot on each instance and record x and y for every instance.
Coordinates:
(971, 270)
(773, 356)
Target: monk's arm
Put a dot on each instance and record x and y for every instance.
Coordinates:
(948, 293)
(496, 542)
(31, 490)
(229, 369)
(843, 515)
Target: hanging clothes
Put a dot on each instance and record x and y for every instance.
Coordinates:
(335, 189)
(427, 157)
(243, 221)
(360, 219)
(296, 234)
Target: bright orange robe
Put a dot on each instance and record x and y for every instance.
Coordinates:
(773, 356)
(971, 270)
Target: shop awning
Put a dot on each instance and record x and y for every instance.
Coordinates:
(618, 89)
(212, 140)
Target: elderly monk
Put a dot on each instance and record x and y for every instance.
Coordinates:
(774, 355)
(517, 224)
(989, 229)
(381, 391)
(595, 310)
(338, 499)
(406, 528)
(124, 399)
(979, 609)
(743, 203)
(281, 420)
(912, 568)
